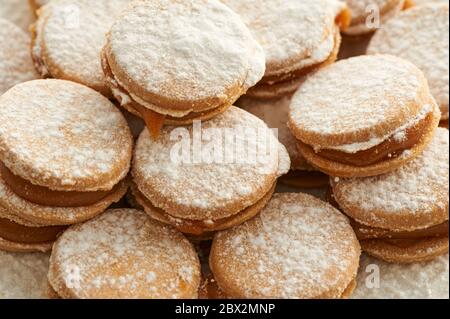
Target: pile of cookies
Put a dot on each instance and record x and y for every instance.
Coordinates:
(137, 148)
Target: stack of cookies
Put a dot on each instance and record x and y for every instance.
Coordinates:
(124, 157)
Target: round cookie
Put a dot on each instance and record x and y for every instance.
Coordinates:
(402, 216)
(209, 176)
(298, 37)
(18, 12)
(15, 60)
(177, 61)
(370, 15)
(421, 36)
(298, 247)
(124, 254)
(274, 113)
(68, 38)
(422, 2)
(381, 280)
(23, 276)
(65, 152)
(372, 123)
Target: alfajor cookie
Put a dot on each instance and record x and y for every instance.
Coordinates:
(23, 276)
(402, 216)
(377, 114)
(17, 12)
(124, 254)
(175, 62)
(421, 36)
(381, 280)
(275, 112)
(298, 247)
(68, 37)
(298, 38)
(15, 60)
(209, 176)
(65, 154)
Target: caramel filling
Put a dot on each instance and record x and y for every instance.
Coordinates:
(365, 232)
(16, 233)
(200, 227)
(389, 149)
(46, 197)
(154, 121)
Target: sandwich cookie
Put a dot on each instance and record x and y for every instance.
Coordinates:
(68, 37)
(124, 254)
(402, 216)
(65, 153)
(274, 113)
(298, 38)
(15, 60)
(421, 36)
(372, 123)
(367, 17)
(210, 176)
(17, 12)
(381, 280)
(175, 62)
(298, 247)
(23, 276)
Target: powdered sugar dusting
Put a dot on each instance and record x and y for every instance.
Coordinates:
(355, 106)
(418, 187)
(201, 190)
(298, 247)
(186, 50)
(290, 30)
(15, 60)
(124, 254)
(427, 280)
(23, 276)
(73, 35)
(64, 135)
(420, 35)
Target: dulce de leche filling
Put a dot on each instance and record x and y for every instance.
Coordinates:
(390, 148)
(365, 232)
(46, 197)
(200, 227)
(154, 121)
(16, 233)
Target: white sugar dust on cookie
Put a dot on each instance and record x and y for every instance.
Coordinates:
(65, 153)
(174, 62)
(298, 247)
(209, 176)
(421, 36)
(16, 65)
(124, 254)
(298, 37)
(23, 276)
(381, 280)
(402, 216)
(372, 123)
(68, 37)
